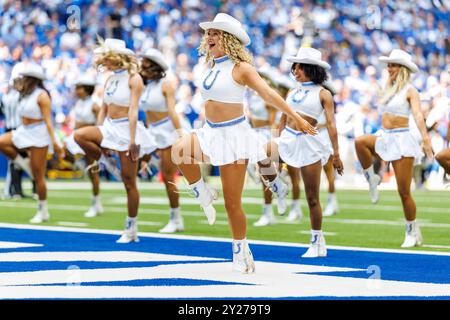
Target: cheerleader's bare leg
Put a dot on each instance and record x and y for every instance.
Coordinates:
(38, 162)
(365, 150)
(187, 154)
(443, 158)
(403, 170)
(90, 139)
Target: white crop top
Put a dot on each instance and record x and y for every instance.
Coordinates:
(257, 106)
(117, 89)
(398, 104)
(83, 111)
(29, 107)
(305, 99)
(152, 99)
(218, 83)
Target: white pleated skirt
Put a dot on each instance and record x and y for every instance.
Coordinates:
(230, 141)
(164, 132)
(116, 136)
(299, 150)
(33, 135)
(394, 144)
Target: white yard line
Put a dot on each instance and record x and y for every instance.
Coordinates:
(218, 239)
(72, 224)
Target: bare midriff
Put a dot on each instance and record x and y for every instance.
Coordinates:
(28, 121)
(310, 120)
(257, 123)
(116, 112)
(155, 116)
(391, 121)
(219, 111)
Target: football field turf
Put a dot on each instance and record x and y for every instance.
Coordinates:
(72, 257)
(358, 224)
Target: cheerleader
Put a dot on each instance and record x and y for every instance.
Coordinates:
(35, 133)
(443, 157)
(86, 112)
(164, 124)
(226, 139)
(309, 153)
(262, 118)
(395, 143)
(118, 127)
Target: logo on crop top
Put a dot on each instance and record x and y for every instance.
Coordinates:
(299, 96)
(207, 85)
(111, 88)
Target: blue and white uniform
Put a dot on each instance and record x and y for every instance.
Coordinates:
(258, 111)
(296, 148)
(394, 144)
(36, 134)
(163, 131)
(116, 132)
(84, 113)
(228, 141)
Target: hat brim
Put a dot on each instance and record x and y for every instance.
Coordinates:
(103, 50)
(319, 63)
(37, 75)
(86, 83)
(163, 64)
(230, 28)
(408, 64)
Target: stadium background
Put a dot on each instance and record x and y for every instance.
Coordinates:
(351, 34)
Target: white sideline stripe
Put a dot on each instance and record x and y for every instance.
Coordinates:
(435, 246)
(149, 223)
(218, 239)
(220, 213)
(15, 245)
(324, 233)
(99, 256)
(72, 224)
(218, 222)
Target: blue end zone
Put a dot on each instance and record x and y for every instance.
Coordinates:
(414, 267)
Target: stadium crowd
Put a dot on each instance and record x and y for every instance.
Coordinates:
(61, 35)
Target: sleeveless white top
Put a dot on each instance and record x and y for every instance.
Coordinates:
(218, 83)
(117, 89)
(29, 107)
(83, 111)
(398, 104)
(257, 106)
(152, 99)
(305, 99)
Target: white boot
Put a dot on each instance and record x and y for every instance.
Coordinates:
(130, 232)
(413, 236)
(206, 195)
(332, 206)
(253, 174)
(374, 180)
(24, 164)
(242, 257)
(175, 222)
(267, 217)
(96, 208)
(42, 214)
(317, 247)
(296, 213)
(281, 190)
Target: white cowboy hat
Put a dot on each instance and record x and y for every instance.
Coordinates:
(225, 22)
(16, 72)
(157, 57)
(33, 70)
(309, 56)
(400, 57)
(86, 80)
(113, 45)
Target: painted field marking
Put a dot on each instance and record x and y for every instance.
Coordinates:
(72, 224)
(16, 245)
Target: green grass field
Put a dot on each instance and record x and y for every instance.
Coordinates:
(359, 223)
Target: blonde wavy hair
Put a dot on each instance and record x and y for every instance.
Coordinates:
(393, 87)
(123, 61)
(230, 44)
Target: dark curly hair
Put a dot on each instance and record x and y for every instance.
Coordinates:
(155, 70)
(315, 73)
(88, 89)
